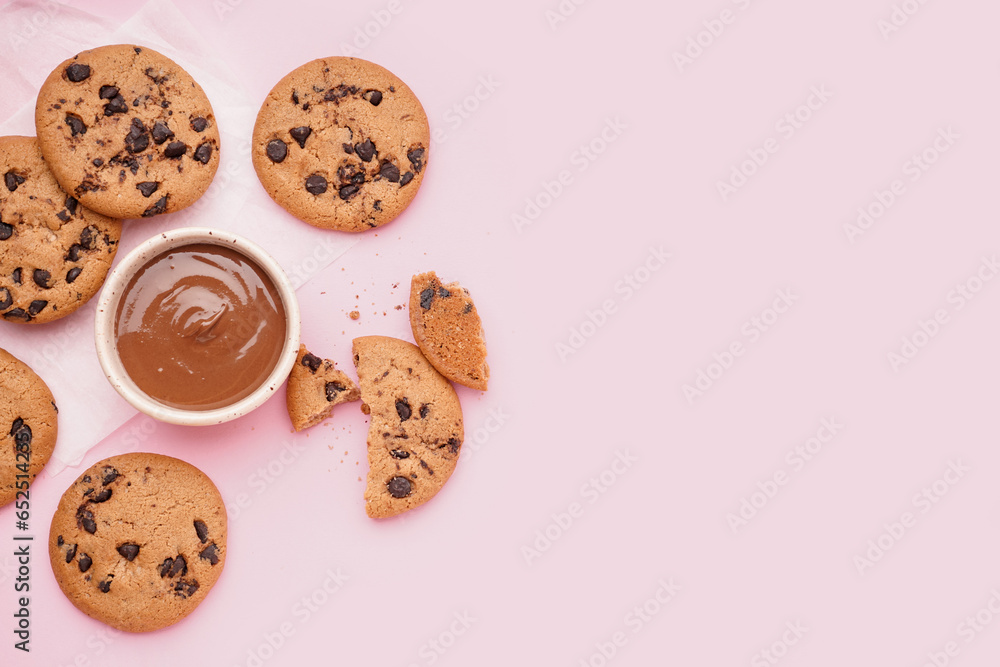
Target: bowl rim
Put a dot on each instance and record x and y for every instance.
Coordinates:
(107, 310)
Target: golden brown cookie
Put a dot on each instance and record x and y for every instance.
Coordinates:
(28, 426)
(314, 387)
(127, 131)
(447, 328)
(416, 429)
(54, 253)
(341, 143)
(138, 541)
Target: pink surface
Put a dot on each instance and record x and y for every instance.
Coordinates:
(809, 499)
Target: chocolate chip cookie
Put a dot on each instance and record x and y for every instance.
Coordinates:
(28, 427)
(127, 131)
(314, 387)
(138, 541)
(341, 143)
(416, 430)
(54, 253)
(447, 328)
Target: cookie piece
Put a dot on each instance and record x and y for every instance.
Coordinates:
(138, 541)
(54, 253)
(314, 387)
(28, 426)
(341, 143)
(447, 328)
(127, 131)
(416, 430)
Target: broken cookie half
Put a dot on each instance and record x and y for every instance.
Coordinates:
(315, 386)
(448, 330)
(416, 430)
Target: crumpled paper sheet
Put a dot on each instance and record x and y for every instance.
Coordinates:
(41, 36)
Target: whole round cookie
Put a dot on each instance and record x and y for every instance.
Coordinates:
(127, 131)
(138, 541)
(28, 426)
(341, 143)
(54, 253)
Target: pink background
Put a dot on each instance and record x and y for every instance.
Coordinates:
(453, 583)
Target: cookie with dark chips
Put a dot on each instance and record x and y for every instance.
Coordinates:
(341, 143)
(54, 252)
(127, 131)
(138, 541)
(28, 427)
(416, 430)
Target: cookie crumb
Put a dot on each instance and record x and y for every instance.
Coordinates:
(355, 315)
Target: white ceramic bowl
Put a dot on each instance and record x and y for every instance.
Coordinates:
(107, 311)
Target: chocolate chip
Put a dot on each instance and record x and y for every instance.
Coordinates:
(453, 445)
(185, 589)
(71, 553)
(41, 278)
(137, 139)
(403, 409)
(71, 205)
(295, 97)
(5, 299)
(73, 274)
(332, 389)
(467, 309)
(6, 231)
(300, 134)
(77, 72)
(147, 188)
(84, 563)
(165, 567)
(103, 496)
(199, 124)
(316, 184)
(159, 207)
(276, 150)
(12, 180)
(74, 252)
(105, 585)
(129, 551)
(201, 530)
(161, 132)
(37, 306)
(115, 105)
(21, 433)
(85, 519)
(365, 150)
(210, 553)
(311, 361)
(76, 125)
(416, 158)
(405, 178)
(374, 96)
(389, 172)
(98, 162)
(442, 292)
(203, 153)
(179, 567)
(377, 205)
(88, 236)
(16, 425)
(175, 149)
(399, 453)
(110, 475)
(399, 487)
(16, 276)
(17, 314)
(108, 92)
(423, 464)
(426, 298)
(348, 191)
(349, 149)
(157, 76)
(424, 410)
